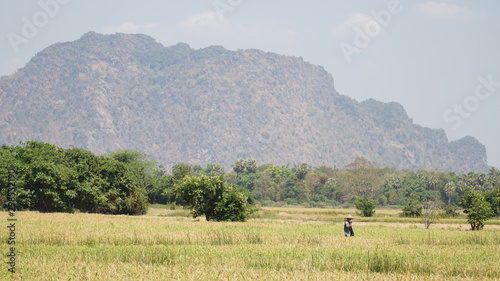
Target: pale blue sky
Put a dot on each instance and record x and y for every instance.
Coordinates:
(433, 57)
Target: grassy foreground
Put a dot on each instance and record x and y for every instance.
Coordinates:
(277, 244)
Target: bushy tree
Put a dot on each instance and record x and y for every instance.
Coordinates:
(476, 208)
(234, 204)
(413, 208)
(213, 197)
(366, 206)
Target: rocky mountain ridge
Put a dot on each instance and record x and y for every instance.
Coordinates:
(212, 105)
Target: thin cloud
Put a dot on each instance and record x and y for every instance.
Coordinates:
(208, 20)
(356, 20)
(129, 27)
(210, 28)
(443, 11)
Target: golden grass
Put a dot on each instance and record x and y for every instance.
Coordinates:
(277, 244)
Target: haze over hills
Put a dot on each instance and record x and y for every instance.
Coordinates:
(212, 105)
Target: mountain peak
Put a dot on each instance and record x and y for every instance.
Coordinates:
(211, 105)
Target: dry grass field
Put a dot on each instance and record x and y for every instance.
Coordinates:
(275, 244)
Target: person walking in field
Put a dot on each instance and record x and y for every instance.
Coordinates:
(348, 226)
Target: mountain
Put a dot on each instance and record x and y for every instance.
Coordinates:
(212, 105)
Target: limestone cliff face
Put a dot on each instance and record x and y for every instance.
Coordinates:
(108, 92)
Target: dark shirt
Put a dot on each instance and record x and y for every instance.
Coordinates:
(348, 230)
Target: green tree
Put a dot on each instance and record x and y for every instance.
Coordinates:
(141, 169)
(290, 190)
(449, 189)
(144, 173)
(302, 170)
(476, 208)
(214, 198)
(197, 169)
(473, 180)
(332, 190)
(128, 156)
(413, 208)
(393, 191)
(366, 206)
(493, 172)
(213, 170)
(278, 173)
(49, 185)
(250, 165)
(493, 198)
(265, 187)
(234, 205)
(239, 166)
(247, 179)
(119, 193)
(347, 182)
(179, 171)
(365, 176)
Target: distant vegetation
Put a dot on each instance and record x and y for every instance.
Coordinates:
(50, 178)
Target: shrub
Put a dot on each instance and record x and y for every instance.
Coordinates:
(413, 208)
(366, 206)
(450, 211)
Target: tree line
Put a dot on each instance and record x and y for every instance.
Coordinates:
(51, 178)
(327, 186)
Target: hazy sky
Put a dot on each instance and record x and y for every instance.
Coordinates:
(439, 59)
